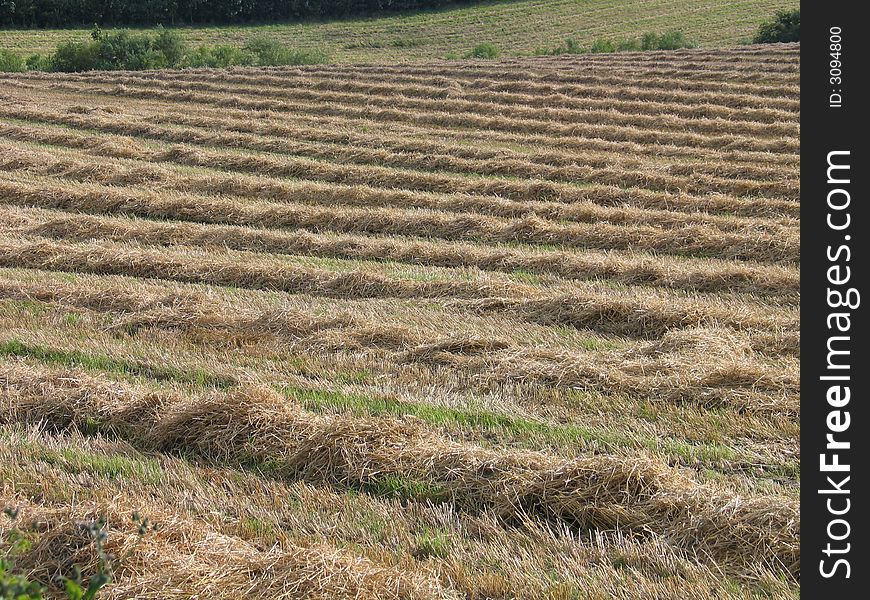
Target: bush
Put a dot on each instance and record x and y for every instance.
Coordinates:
(649, 41)
(72, 57)
(570, 46)
(603, 46)
(122, 50)
(170, 44)
(37, 62)
(486, 50)
(673, 40)
(628, 46)
(11, 62)
(786, 27)
(119, 50)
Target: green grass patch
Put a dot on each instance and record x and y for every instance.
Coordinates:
(485, 50)
(111, 466)
(433, 543)
(528, 431)
(104, 363)
(25, 307)
(405, 488)
(257, 528)
(481, 421)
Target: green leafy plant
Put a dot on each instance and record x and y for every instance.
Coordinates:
(786, 27)
(15, 586)
(486, 50)
(11, 62)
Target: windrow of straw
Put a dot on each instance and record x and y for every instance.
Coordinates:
(591, 152)
(451, 121)
(290, 166)
(448, 106)
(601, 85)
(584, 167)
(629, 268)
(196, 561)
(362, 221)
(632, 101)
(256, 426)
(616, 70)
(667, 208)
(647, 316)
(703, 366)
(310, 192)
(748, 83)
(214, 269)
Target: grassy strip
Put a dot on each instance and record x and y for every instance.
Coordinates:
(113, 466)
(500, 424)
(326, 401)
(101, 362)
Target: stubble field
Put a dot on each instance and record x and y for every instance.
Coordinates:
(514, 329)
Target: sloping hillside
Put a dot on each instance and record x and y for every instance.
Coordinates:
(515, 28)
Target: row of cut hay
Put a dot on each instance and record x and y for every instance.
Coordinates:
(186, 559)
(736, 56)
(692, 106)
(679, 369)
(568, 67)
(670, 208)
(240, 271)
(419, 155)
(784, 145)
(709, 276)
(690, 73)
(428, 155)
(591, 567)
(599, 87)
(589, 152)
(784, 85)
(610, 86)
(256, 426)
(609, 70)
(583, 122)
(316, 194)
(707, 367)
(688, 241)
(290, 166)
(695, 178)
(539, 143)
(536, 148)
(643, 316)
(646, 317)
(395, 99)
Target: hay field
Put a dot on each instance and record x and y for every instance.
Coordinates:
(514, 26)
(518, 329)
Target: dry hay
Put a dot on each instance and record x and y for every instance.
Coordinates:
(551, 303)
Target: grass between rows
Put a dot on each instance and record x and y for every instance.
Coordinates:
(484, 422)
(108, 464)
(103, 363)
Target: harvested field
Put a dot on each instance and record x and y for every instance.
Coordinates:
(517, 329)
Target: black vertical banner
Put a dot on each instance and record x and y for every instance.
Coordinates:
(835, 431)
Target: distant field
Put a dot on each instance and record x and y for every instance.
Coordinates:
(516, 28)
(504, 329)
